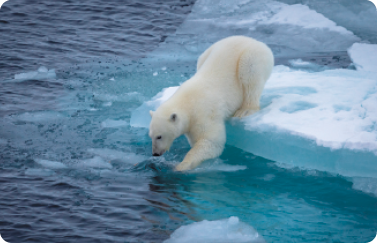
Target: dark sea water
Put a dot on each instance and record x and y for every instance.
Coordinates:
(73, 170)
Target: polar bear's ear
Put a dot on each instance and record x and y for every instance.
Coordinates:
(173, 117)
(151, 113)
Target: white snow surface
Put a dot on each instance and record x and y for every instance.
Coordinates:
(364, 56)
(1, 2)
(336, 108)
(219, 231)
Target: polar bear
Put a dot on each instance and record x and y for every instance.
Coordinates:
(229, 82)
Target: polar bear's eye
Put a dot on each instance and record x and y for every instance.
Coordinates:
(159, 137)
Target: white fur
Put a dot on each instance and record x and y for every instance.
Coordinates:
(229, 81)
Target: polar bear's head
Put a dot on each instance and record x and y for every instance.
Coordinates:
(164, 128)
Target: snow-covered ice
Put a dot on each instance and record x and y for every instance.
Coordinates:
(364, 56)
(303, 16)
(225, 230)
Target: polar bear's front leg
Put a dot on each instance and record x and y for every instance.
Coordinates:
(202, 150)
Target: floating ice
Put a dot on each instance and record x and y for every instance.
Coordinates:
(39, 172)
(303, 16)
(50, 164)
(323, 120)
(364, 56)
(96, 162)
(109, 123)
(225, 230)
(277, 24)
(132, 96)
(41, 73)
(110, 154)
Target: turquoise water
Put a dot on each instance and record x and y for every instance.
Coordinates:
(72, 169)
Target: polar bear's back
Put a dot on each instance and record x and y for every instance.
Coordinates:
(222, 58)
(229, 65)
(225, 70)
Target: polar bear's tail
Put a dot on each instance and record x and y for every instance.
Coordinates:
(254, 68)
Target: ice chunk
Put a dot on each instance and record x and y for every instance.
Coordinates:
(299, 64)
(364, 56)
(41, 73)
(50, 164)
(109, 123)
(324, 120)
(110, 154)
(39, 172)
(301, 15)
(127, 97)
(225, 230)
(96, 162)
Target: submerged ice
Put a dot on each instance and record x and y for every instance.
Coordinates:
(316, 120)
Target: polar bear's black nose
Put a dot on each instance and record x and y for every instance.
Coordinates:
(156, 154)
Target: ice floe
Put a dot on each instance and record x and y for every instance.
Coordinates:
(39, 172)
(50, 164)
(41, 73)
(303, 16)
(364, 56)
(225, 230)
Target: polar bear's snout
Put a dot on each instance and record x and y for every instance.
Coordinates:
(155, 152)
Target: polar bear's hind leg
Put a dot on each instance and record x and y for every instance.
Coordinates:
(254, 68)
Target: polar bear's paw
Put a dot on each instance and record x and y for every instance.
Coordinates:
(183, 166)
(244, 112)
